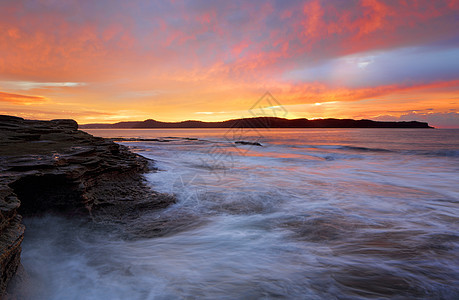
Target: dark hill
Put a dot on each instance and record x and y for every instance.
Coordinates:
(264, 122)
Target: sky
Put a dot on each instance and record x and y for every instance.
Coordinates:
(108, 61)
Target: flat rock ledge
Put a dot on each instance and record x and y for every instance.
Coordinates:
(51, 166)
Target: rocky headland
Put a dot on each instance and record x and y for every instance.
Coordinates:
(265, 122)
(51, 166)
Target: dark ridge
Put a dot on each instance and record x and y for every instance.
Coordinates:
(264, 122)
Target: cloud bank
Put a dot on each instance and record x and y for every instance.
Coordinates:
(211, 56)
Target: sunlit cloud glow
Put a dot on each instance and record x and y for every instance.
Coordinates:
(20, 99)
(172, 61)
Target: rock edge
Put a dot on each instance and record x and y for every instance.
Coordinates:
(51, 166)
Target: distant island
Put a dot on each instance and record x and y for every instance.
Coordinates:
(262, 122)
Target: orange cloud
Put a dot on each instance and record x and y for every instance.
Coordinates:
(318, 92)
(20, 99)
(172, 59)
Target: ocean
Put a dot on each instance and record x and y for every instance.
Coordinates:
(284, 213)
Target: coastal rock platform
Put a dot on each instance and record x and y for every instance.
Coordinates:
(51, 166)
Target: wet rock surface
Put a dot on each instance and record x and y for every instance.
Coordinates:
(51, 166)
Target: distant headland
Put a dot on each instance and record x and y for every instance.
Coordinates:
(262, 122)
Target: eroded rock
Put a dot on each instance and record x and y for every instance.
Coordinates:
(52, 166)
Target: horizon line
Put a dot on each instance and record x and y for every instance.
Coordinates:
(241, 118)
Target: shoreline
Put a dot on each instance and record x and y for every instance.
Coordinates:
(51, 166)
(279, 203)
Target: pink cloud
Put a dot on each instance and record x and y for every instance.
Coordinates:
(194, 48)
(56, 42)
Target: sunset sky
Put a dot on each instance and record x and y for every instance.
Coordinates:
(109, 61)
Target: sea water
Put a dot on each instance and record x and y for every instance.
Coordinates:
(291, 213)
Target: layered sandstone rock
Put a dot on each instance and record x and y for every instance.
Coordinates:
(52, 166)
